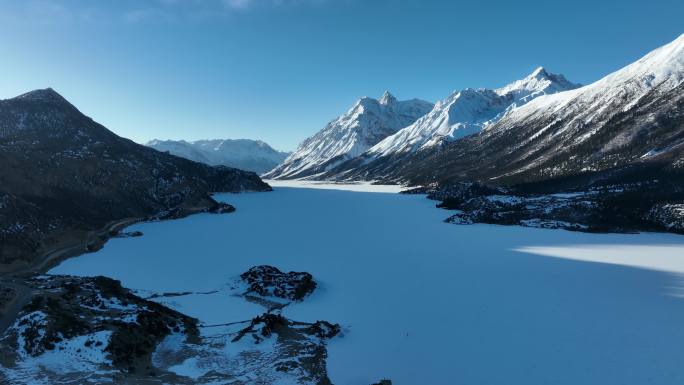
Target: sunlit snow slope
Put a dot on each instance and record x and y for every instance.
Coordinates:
(365, 124)
(467, 111)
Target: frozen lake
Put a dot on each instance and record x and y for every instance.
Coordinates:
(424, 302)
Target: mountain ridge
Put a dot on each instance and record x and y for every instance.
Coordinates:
(533, 141)
(462, 113)
(468, 111)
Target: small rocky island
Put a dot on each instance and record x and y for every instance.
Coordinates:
(268, 281)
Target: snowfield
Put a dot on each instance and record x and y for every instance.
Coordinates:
(421, 301)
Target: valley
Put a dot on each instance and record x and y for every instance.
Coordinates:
(407, 288)
(494, 223)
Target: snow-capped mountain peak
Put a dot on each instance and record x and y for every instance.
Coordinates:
(662, 69)
(539, 82)
(365, 124)
(387, 98)
(468, 111)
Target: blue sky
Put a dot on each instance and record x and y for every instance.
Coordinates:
(278, 70)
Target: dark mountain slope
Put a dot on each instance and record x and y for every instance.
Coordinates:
(64, 178)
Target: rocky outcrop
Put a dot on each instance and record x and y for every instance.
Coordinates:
(96, 324)
(668, 215)
(126, 234)
(606, 208)
(221, 208)
(265, 325)
(269, 281)
(270, 346)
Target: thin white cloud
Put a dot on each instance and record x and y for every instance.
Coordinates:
(138, 11)
(47, 12)
(245, 4)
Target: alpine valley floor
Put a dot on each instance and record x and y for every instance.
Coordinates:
(421, 301)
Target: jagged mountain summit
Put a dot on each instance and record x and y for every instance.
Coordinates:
(245, 154)
(66, 180)
(364, 125)
(468, 111)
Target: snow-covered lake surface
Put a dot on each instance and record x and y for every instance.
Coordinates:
(424, 302)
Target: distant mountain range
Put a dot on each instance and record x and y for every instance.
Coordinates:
(245, 154)
(66, 181)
